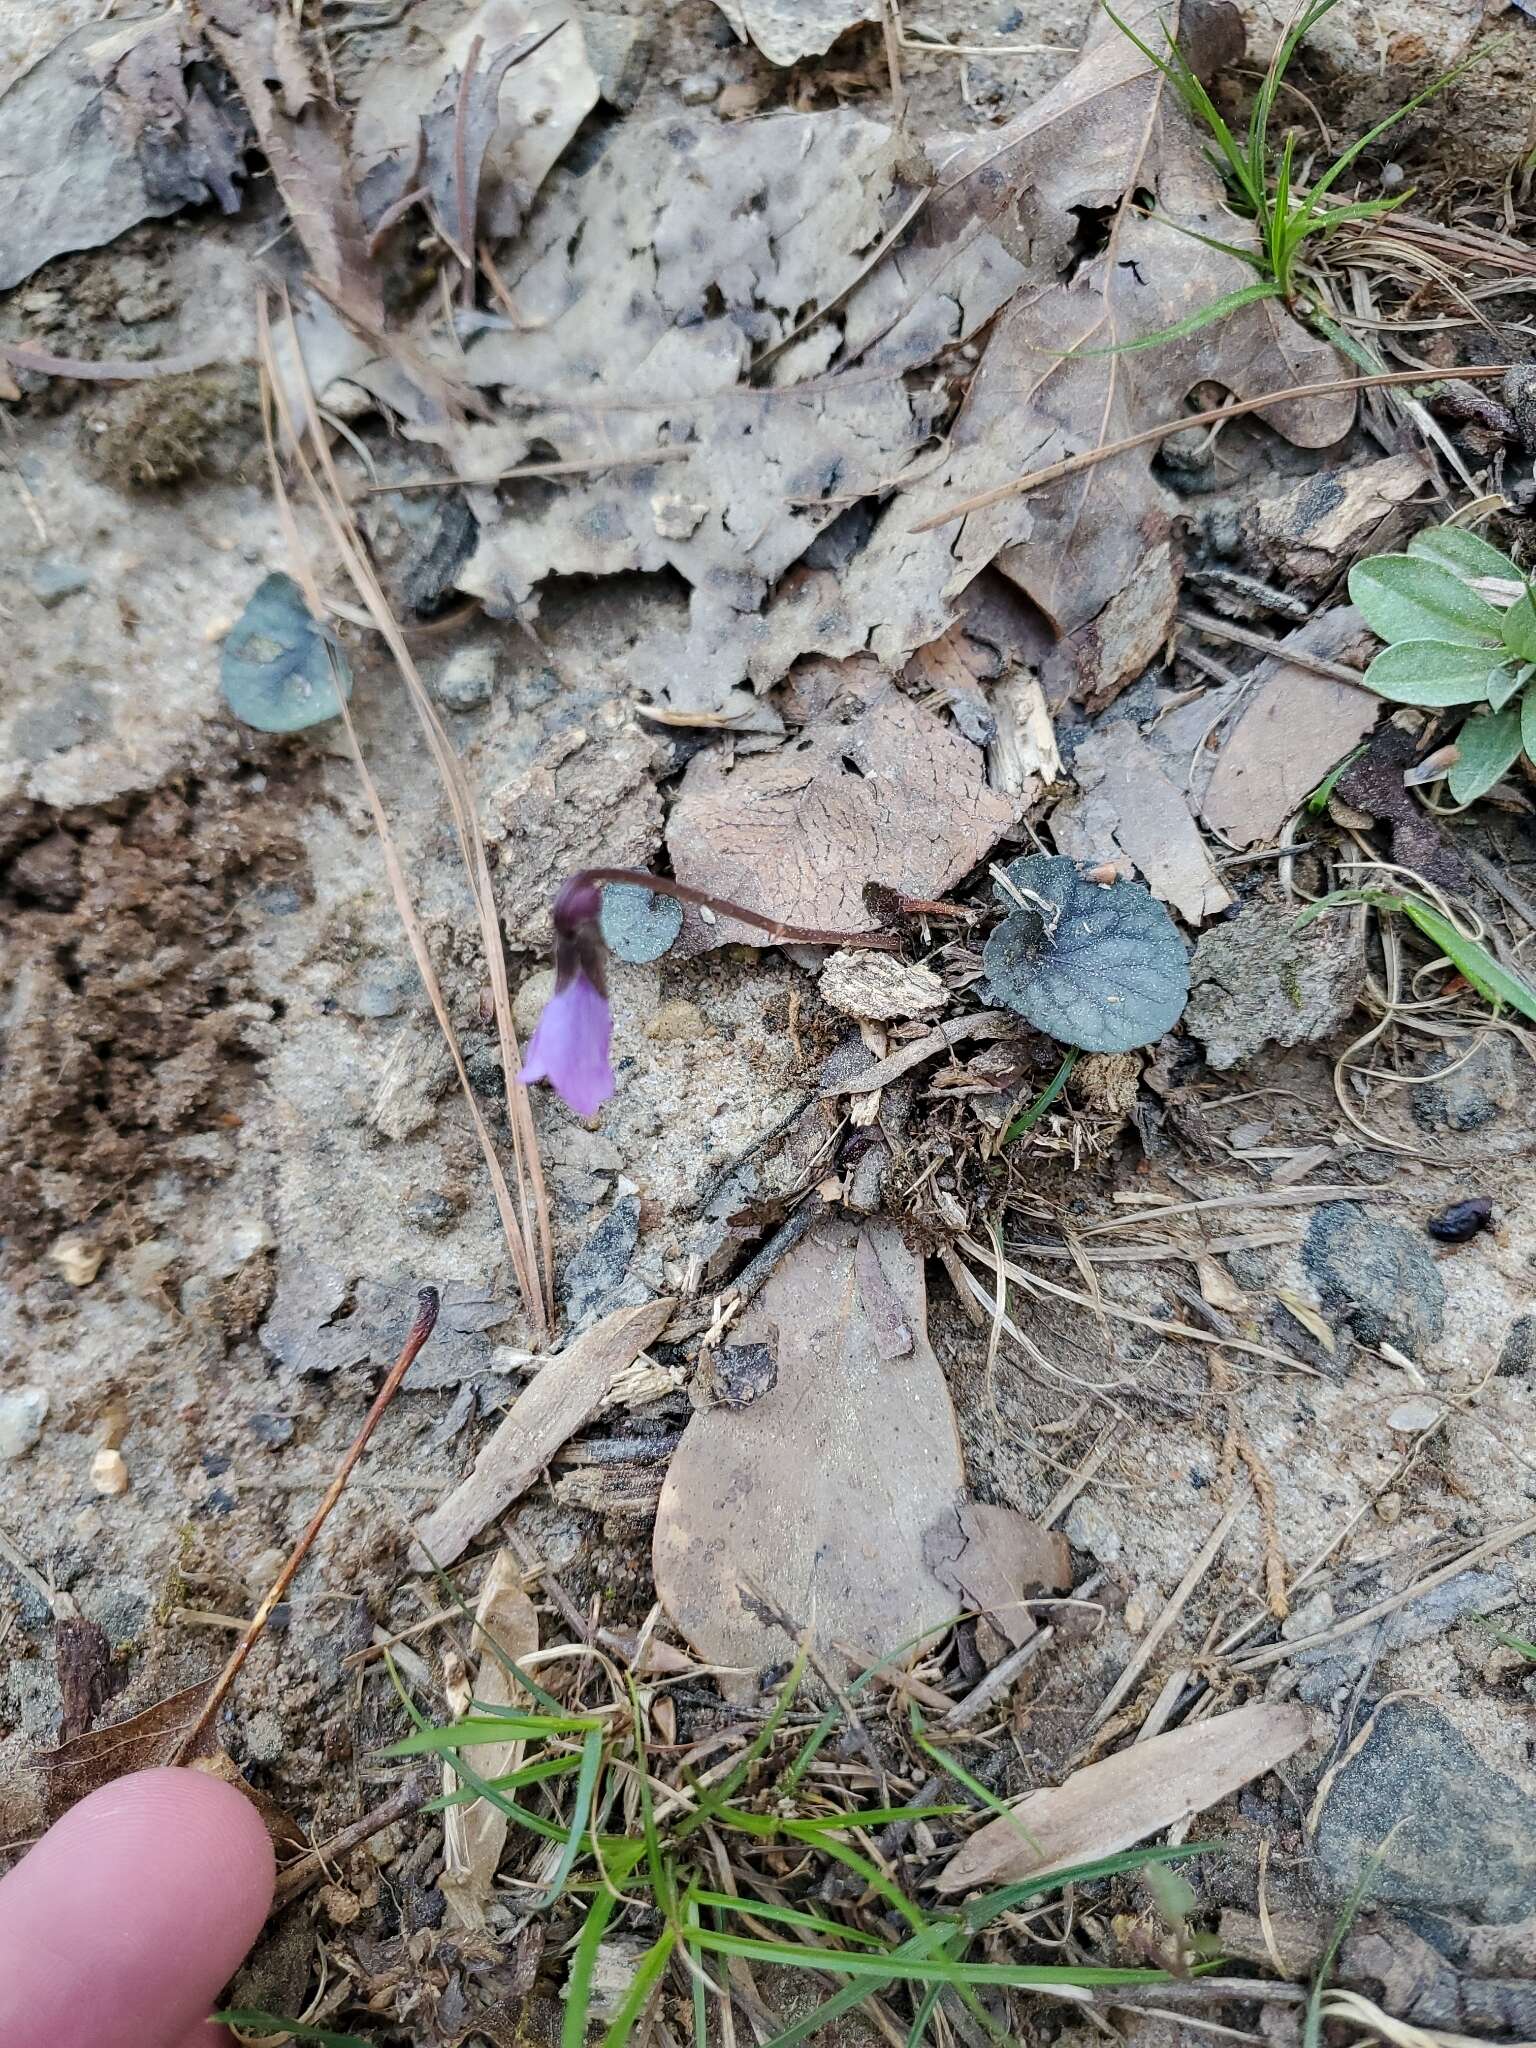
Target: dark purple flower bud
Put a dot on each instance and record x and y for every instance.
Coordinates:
(569, 1048)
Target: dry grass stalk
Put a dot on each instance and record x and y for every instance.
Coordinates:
(525, 1223)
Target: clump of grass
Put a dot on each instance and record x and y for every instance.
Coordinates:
(729, 1869)
(1471, 959)
(1262, 183)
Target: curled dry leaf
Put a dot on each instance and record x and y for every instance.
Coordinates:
(475, 1835)
(849, 1459)
(892, 795)
(140, 1743)
(1113, 1804)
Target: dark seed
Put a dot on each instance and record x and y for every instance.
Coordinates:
(1462, 1220)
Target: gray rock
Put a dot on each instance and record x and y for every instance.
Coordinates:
(431, 1212)
(1375, 1277)
(23, 1411)
(51, 581)
(1519, 1348)
(639, 925)
(1476, 1094)
(1257, 982)
(595, 1277)
(1090, 1529)
(698, 89)
(1453, 1833)
(383, 993)
(468, 679)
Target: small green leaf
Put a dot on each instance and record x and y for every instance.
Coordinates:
(1317, 802)
(1404, 597)
(1528, 723)
(1433, 672)
(1205, 316)
(1461, 551)
(1105, 969)
(269, 2023)
(281, 671)
(1520, 629)
(1489, 748)
(1505, 681)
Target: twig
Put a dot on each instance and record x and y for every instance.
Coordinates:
(302, 1872)
(1276, 650)
(420, 1331)
(1071, 464)
(997, 1681)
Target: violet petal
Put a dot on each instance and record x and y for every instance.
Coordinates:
(569, 1047)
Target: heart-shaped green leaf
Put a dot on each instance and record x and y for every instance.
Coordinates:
(280, 669)
(1462, 552)
(1433, 672)
(1489, 748)
(1520, 628)
(1104, 969)
(1405, 597)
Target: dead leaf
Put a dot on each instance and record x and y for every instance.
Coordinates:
(322, 1321)
(859, 983)
(104, 132)
(83, 1661)
(1023, 759)
(820, 1491)
(991, 1558)
(257, 41)
(1292, 730)
(1113, 1804)
(475, 1835)
(983, 1024)
(1319, 528)
(283, 1829)
(141, 1743)
(523, 116)
(562, 1395)
(1315, 1325)
(1126, 802)
(787, 30)
(891, 796)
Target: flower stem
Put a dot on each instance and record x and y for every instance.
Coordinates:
(778, 932)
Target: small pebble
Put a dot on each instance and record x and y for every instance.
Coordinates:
(1141, 1603)
(109, 1475)
(468, 679)
(1412, 1416)
(1462, 1220)
(51, 581)
(272, 1430)
(77, 1259)
(698, 89)
(431, 1212)
(23, 1412)
(239, 1243)
(340, 1906)
(1090, 1529)
(529, 999)
(677, 1022)
(1389, 1508)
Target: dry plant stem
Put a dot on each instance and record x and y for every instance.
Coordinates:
(778, 933)
(420, 1331)
(1071, 464)
(1220, 629)
(301, 1873)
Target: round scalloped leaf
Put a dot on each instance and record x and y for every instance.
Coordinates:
(280, 669)
(1405, 597)
(1104, 969)
(638, 925)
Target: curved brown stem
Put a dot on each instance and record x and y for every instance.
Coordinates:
(778, 932)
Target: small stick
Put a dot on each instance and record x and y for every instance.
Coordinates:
(305, 1869)
(1071, 464)
(420, 1331)
(1276, 650)
(778, 932)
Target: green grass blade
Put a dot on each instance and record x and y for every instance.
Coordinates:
(788, 1916)
(934, 1936)
(982, 1912)
(876, 1816)
(1318, 800)
(907, 1967)
(586, 1786)
(1027, 1119)
(270, 2023)
(1473, 962)
(476, 1729)
(1342, 162)
(578, 1992)
(1520, 1644)
(488, 1642)
(862, 1867)
(513, 1781)
(1311, 2033)
(712, 1801)
(638, 1997)
(697, 1974)
(1205, 316)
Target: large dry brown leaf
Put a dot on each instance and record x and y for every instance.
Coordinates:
(821, 1492)
(563, 1395)
(1119, 1801)
(1127, 803)
(889, 795)
(146, 1740)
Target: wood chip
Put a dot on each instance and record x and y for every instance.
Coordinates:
(563, 1396)
(862, 984)
(1121, 1800)
(984, 1024)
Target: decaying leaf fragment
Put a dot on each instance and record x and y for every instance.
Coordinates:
(1125, 801)
(888, 794)
(822, 1490)
(787, 30)
(1112, 1804)
(475, 1835)
(992, 1558)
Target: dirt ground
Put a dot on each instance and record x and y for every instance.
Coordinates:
(232, 1148)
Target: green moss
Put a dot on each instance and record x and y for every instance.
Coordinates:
(205, 423)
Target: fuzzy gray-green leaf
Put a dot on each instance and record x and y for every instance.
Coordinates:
(1489, 748)
(1104, 969)
(279, 668)
(1462, 552)
(1528, 723)
(1505, 681)
(1433, 672)
(1404, 597)
(1520, 629)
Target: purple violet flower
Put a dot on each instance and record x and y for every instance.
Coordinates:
(569, 1047)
